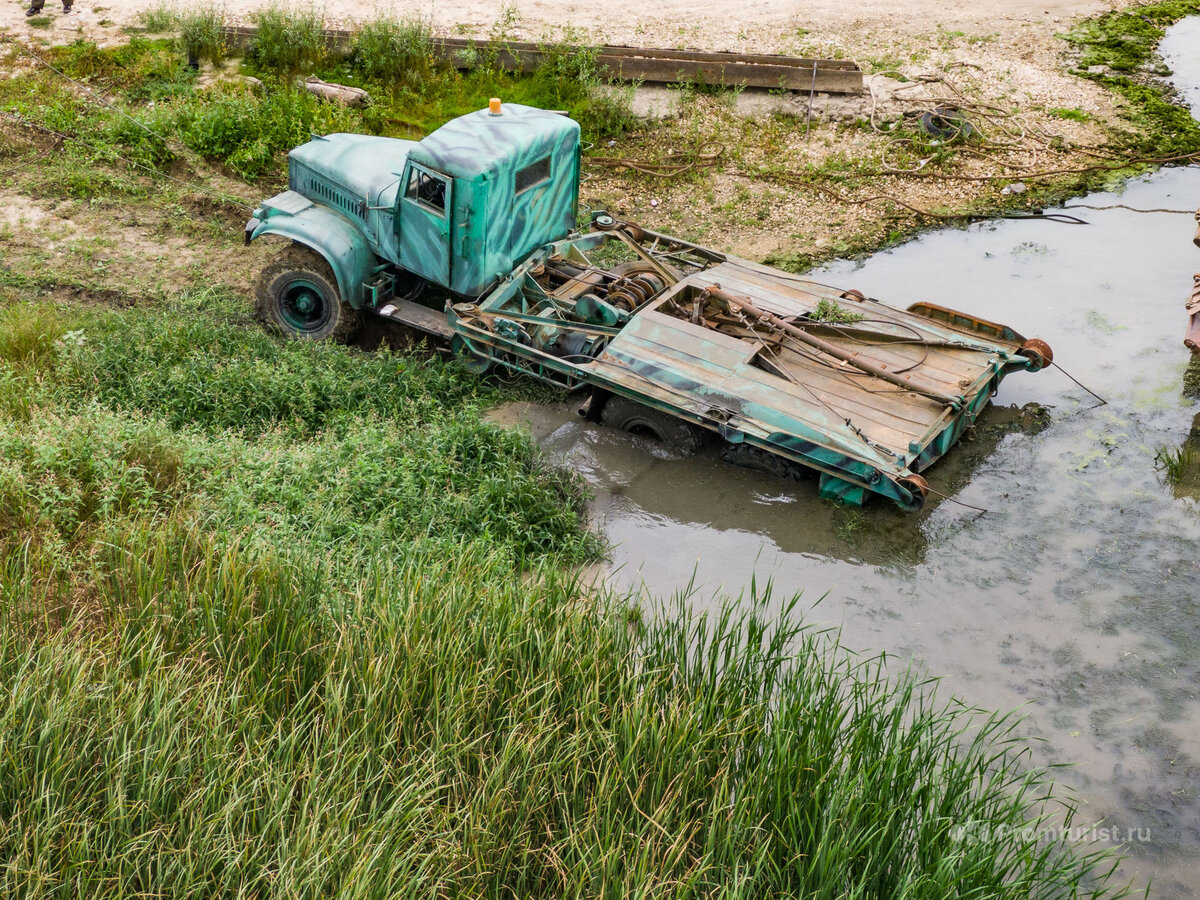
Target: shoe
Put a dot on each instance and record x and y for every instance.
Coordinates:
(66, 9)
(31, 12)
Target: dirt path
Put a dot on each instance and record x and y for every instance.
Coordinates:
(763, 25)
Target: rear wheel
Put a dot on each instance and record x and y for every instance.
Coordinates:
(681, 437)
(747, 456)
(297, 294)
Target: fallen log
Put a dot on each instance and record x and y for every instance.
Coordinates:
(337, 93)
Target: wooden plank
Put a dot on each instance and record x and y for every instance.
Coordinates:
(661, 66)
(946, 366)
(907, 414)
(890, 401)
(697, 355)
(669, 67)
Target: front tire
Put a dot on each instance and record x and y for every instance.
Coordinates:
(297, 295)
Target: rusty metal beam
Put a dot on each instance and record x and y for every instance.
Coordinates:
(1192, 339)
(846, 356)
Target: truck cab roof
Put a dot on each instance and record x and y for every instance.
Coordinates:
(482, 143)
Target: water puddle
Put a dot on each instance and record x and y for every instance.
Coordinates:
(1077, 595)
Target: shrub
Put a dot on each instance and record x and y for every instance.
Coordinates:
(288, 42)
(246, 132)
(160, 19)
(568, 71)
(394, 51)
(201, 33)
(568, 77)
(607, 112)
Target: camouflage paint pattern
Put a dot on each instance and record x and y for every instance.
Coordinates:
(492, 227)
(332, 234)
(356, 186)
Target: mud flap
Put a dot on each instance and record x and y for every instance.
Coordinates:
(831, 487)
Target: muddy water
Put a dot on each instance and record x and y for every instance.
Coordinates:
(1077, 594)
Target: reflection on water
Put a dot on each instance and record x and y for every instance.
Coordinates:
(1076, 595)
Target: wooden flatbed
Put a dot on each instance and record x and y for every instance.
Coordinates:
(866, 394)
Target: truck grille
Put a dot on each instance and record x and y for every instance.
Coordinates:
(334, 197)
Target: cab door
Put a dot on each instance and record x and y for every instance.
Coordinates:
(424, 223)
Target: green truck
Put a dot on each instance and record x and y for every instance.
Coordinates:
(472, 237)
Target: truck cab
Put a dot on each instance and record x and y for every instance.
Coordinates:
(370, 216)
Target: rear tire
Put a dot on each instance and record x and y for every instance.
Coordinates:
(747, 456)
(297, 296)
(675, 434)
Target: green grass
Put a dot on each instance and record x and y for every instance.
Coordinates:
(1176, 463)
(285, 620)
(1075, 115)
(281, 438)
(249, 132)
(1125, 44)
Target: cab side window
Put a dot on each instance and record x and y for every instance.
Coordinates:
(533, 175)
(428, 190)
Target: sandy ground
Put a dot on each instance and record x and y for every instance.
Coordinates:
(763, 25)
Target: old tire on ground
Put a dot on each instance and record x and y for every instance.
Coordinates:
(297, 295)
(675, 434)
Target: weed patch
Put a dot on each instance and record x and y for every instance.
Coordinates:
(1122, 49)
(159, 19)
(830, 311)
(394, 52)
(245, 132)
(289, 41)
(201, 34)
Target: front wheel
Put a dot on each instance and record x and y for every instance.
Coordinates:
(297, 295)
